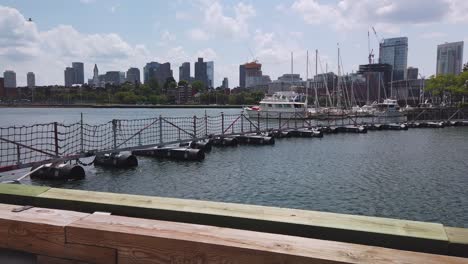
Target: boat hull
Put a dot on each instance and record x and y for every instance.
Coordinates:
(275, 114)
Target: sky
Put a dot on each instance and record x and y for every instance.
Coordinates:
(119, 34)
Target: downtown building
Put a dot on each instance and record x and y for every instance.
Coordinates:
(184, 72)
(74, 75)
(225, 84)
(9, 79)
(449, 58)
(31, 80)
(210, 74)
(133, 76)
(201, 72)
(157, 71)
(394, 51)
(9, 88)
(251, 76)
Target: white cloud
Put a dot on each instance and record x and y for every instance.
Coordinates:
(87, 1)
(24, 48)
(432, 35)
(114, 8)
(198, 34)
(180, 15)
(166, 38)
(389, 14)
(217, 23)
(207, 54)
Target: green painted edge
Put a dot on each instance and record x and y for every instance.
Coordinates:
(37, 196)
(22, 190)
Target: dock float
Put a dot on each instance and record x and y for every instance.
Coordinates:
(306, 133)
(255, 140)
(219, 141)
(175, 153)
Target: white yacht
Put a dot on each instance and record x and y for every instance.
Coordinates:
(280, 105)
(389, 108)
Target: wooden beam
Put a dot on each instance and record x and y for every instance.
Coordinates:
(153, 241)
(20, 193)
(458, 238)
(393, 233)
(42, 231)
(51, 260)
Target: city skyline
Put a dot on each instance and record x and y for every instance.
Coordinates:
(229, 33)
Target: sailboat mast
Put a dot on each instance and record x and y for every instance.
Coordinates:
(292, 68)
(315, 83)
(338, 90)
(307, 79)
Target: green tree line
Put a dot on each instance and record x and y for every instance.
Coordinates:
(449, 87)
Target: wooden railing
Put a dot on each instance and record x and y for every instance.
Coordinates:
(248, 220)
(58, 236)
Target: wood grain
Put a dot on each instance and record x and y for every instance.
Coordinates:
(458, 238)
(393, 227)
(51, 260)
(153, 241)
(42, 231)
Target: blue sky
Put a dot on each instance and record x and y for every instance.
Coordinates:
(118, 34)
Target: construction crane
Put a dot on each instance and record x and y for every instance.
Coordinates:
(379, 40)
(371, 51)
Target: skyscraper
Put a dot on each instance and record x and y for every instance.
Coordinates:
(9, 79)
(225, 83)
(394, 51)
(78, 67)
(450, 58)
(210, 73)
(158, 71)
(133, 75)
(31, 79)
(2, 87)
(200, 71)
(184, 72)
(412, 73)
(242, 76)
(69, 76)
(96, 76)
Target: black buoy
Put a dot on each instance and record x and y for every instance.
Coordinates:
(225, 141)
(58, 172)
(116, 159)
(255, 140)
(175, 153)
(203, 145)
(279, 134)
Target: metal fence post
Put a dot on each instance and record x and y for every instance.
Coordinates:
(194, 126)
(18, 154)
(114, 132)
(222, 123)
(81, 133)
(206, 124)
(160, 130)
(242, 122)
(279, 121)
(258, 121)
(295, 121)
(56, 139)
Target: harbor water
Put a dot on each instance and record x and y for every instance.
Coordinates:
(419, 174)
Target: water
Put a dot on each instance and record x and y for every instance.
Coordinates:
(419, 174)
